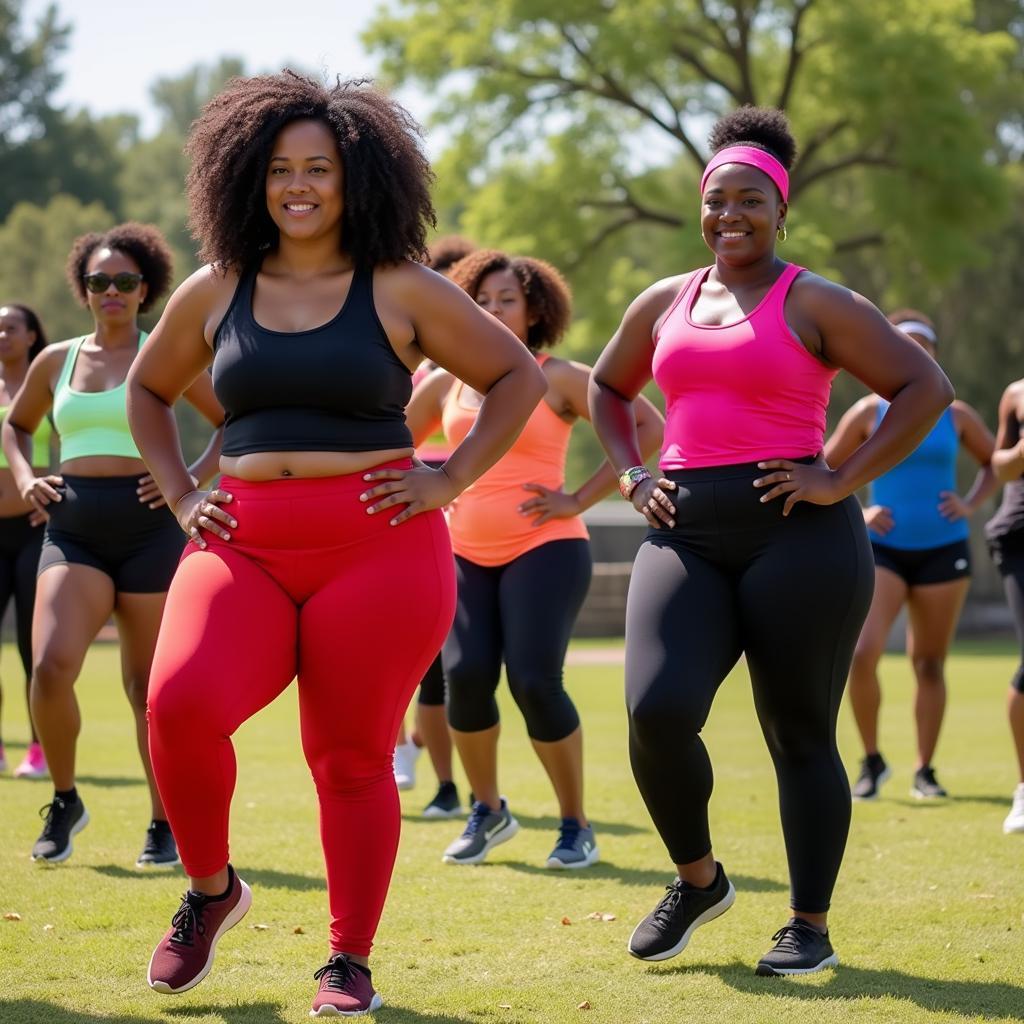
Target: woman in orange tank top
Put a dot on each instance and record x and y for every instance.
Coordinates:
(522, 561)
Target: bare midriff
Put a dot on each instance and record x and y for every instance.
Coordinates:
(257, 466)
(103, 465)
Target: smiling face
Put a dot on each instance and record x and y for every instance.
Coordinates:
(501, 294)
(15, 337)
(305, 182)
(113, 308)
(741, 211)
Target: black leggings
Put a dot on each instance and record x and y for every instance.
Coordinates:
(20, 544)
(735, 577)
(1008, 554)
(523, 612)
(432, 685)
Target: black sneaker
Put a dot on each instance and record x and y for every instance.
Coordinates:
(63, 820)
(926, 786)
(666, 930)
(445, 803)
(159, 849)
(873, 772)
(799, 949)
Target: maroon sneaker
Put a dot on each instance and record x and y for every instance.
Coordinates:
(185, 954)
(345, 989)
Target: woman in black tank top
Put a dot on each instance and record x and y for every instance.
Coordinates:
(324, 551)
(1005, 531)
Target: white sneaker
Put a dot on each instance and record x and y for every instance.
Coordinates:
(1015, 819)
(405, 764)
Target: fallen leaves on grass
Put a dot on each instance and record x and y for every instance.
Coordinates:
(504, 1006)
(260, 927)
(598, 916)
(298, 930)
(585, 1005)
(566, 920)
(12, 916)
(47, 927)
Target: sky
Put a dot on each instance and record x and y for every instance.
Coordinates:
(119, 47)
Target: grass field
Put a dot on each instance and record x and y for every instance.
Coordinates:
(928, 917)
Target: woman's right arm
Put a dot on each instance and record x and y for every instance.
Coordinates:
(32, 402)
(622, 369)
(1008, 458)
(174, 355)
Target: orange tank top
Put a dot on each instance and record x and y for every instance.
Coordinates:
(485, 524)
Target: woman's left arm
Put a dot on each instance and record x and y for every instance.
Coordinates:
(855, 336)
(571, 381)
(978, 440)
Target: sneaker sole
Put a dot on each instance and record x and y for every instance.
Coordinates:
(69, 849)
(709, 915)
(30, 774)
(156, 865)
(558, 865)
(1011, 830)
(440, 813)
(496, 840)
(765, 971)
(918, 795)
(330, 1011)
(884, 777)
(236, 915)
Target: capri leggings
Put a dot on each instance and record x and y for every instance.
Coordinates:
(522, 612)
(20, 544)
(1008, 555)
(735, 577)
(309, 586)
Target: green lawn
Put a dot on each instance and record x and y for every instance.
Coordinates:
(928, 916)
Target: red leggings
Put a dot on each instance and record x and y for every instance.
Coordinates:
(309, 586)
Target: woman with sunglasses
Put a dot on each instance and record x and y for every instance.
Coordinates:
(21, 526)
(111, 545)
(756, 546)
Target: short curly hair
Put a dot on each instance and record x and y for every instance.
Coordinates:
(548, 297)
(446, 251)
(766, 128)
(142, 242)
(387, 205)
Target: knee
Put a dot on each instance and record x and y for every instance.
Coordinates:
(53, 672)
(135, 688)
(929, 669)
(866, 656)
(659, 716)
(471, 703)
(549, 712)
(178, 706)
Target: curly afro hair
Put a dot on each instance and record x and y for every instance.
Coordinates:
(547, 294)
(142, 242)
(766, 128)
(447, 250)
(387, 206)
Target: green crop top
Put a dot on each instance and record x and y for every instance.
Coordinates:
(91, 422)
(40, 444)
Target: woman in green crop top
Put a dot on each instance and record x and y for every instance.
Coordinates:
(111, 545)
(21, 526)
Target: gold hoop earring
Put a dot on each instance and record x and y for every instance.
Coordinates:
(782, 234)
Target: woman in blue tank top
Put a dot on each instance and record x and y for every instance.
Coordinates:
(919, 535)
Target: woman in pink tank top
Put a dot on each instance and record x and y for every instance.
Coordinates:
(522, 560)
(756, 546)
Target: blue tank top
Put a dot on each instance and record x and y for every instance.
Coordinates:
(911, 490)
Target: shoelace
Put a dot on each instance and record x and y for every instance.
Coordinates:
(567, 835)
(338, 971)
(665, 910)
(187, 922)
(52, 812)
(787, 938)
(476, 819)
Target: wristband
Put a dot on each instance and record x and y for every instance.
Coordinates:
(630, 478)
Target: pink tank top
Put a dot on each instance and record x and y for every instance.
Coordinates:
(739, 392)
(484, 521)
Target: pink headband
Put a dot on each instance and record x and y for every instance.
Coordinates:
(754, 157)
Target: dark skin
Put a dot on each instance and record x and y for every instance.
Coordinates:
(741, 212)
(301, 285)
(74, 601)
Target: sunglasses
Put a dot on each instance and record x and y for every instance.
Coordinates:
(123, 282)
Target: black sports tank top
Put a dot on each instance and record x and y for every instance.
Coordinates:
(1009, 517)
(337, 388)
